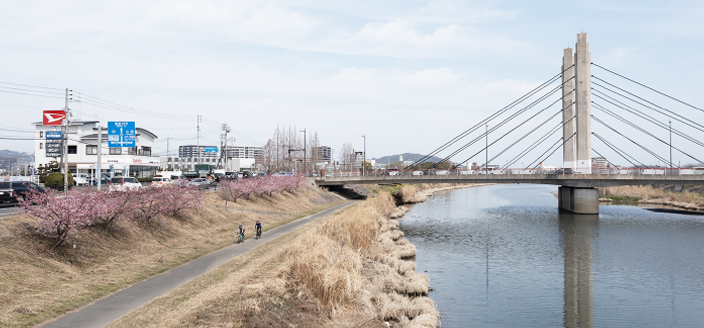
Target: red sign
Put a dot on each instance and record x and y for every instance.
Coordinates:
(53, 117)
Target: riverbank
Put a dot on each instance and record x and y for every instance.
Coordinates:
(351, 269)
(39, 282)
(648, 195)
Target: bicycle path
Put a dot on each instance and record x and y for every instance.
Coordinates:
(109, 308)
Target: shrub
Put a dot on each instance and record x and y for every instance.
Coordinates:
(56, 180)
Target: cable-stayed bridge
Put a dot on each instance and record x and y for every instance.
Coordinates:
(630, 127)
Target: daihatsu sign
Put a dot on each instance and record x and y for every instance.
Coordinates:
(53, 117)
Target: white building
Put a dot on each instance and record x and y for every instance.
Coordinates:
(243, 152)
(83, 151)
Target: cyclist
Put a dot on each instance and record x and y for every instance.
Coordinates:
(258, 229)
(240, 233)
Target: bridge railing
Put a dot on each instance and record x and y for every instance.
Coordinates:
(551, 170)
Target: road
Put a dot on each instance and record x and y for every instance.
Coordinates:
(107, 309)
(7, 210)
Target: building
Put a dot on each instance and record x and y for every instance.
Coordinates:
(186, 163)
(83, 150)
(192, 151)
(324, 153)
(243, 151)
(600, 165)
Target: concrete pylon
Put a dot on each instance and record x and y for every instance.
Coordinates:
(569, 156)
(583, 77)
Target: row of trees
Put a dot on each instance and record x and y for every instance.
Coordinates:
(60, 218)
(286, 151)
(231, 190)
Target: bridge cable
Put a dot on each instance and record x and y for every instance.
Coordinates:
(678, 117)
(643, 85)
(526, 135)
(553, 145)
(535, 144)
(631, 124)
(643, 115)
(631, 140)
(602, 156)
(502, 123)
(491, 117)
(514, 129)
(619, 151)
(484, 121)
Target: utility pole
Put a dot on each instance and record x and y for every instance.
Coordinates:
(364, 156)
(670, 146)
(198, 139)
(305, 157)
(65, 139)
(486, 164)
(167, 145)
(99, 176)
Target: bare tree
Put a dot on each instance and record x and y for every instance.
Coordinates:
(346, 156)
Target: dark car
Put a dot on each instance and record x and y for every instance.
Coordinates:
(247, 174)
(17, 190)
(566, 170)
(7, 195)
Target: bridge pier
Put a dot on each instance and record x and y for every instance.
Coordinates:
(578, 200)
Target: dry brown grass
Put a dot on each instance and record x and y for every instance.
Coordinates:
(652, 195)
(326, 274)
(38, 282)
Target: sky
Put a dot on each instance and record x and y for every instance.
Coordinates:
(410, 75)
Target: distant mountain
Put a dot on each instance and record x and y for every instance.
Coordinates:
(406, 157)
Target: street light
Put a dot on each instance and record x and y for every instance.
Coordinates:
(364, 156)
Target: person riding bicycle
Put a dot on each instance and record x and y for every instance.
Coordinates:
(240, 230)
(258, 228)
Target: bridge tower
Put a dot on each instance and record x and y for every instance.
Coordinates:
(577, 127)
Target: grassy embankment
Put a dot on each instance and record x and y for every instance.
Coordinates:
(350, 269)
(38, 282)
(648, 195)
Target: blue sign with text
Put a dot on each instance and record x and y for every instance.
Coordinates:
(54, 134)
(211, 150)
(121, 134)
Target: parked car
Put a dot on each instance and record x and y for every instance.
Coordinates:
(261, 174)
(82, 179)
(566, 170)
(393, 171)
(20, 188)
(200, 182)
(7, 195)
(247, 174)
(217, 177)
(124, 183)
(160, 181)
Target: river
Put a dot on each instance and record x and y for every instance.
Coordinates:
(504, 256)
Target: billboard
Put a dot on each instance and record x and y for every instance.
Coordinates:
(121, 134)
(53, 117)
(211, 150)
(53, 143)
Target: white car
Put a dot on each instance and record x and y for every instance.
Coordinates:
(81, 179)
(200, 182)
(160, 181)
(124, 183)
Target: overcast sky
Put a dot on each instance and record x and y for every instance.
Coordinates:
(408, 74)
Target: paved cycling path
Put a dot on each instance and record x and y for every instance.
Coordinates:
(107, 309)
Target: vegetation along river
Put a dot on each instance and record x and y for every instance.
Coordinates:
(504, 256)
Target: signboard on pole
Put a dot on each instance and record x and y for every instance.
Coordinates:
(211, 150)
(121, 134)
(53, 143)
(53, 117)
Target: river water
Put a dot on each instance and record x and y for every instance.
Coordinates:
(503, 256)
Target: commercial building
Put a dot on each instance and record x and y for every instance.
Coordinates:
(82, 143)
(323, 153)
(192, 151)
(242, 151)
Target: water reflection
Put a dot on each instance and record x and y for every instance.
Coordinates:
(577, 231)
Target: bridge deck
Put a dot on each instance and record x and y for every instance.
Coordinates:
(572, 180)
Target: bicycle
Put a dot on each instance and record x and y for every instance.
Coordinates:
(259, 233)
(240, 238)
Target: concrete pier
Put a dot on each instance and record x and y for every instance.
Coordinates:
(578, 200)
